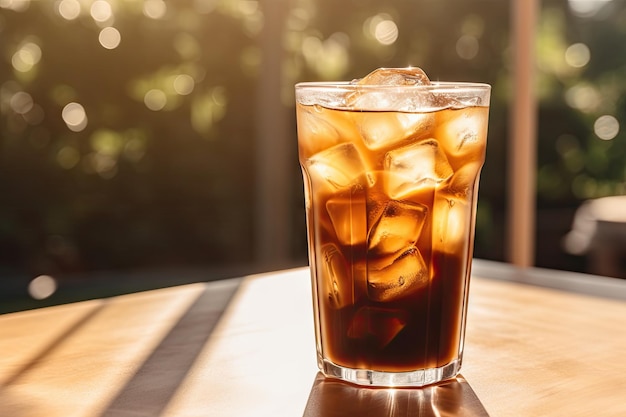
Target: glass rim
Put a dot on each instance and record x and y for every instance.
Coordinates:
(434, 86)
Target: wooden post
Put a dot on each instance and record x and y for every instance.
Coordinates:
(273, 146)
(523, 140)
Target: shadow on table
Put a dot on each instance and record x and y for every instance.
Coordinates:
(332, 398)
(152, 387)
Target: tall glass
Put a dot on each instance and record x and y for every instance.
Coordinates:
(391, 180)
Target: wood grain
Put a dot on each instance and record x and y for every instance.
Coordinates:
(540, 352)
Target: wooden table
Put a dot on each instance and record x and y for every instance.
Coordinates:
(530, 351)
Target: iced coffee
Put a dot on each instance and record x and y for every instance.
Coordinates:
(391, 165)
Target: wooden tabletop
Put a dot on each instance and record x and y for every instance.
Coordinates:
(530, 351)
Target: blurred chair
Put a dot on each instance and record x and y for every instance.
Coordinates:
(599, 232)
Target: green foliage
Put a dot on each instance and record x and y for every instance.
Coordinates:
(582, 136)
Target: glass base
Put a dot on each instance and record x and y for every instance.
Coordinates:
(418, 378)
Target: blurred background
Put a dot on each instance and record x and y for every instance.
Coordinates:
(146, 143)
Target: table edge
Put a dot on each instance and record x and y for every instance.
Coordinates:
(575, 282)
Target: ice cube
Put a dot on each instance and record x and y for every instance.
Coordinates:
(376, 200)
(396, 277)
(320, 128)
(384, 129)
(463, 134)
(407, 99)
(336, 279)
(452, 218)
(463, 182)
(338, 167)
(415, 167)
(398, 227)
(383, 324)
(395, 76)
(348, 215)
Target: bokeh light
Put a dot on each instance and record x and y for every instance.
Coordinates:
(154, 9)
(467, 47)
(75, 117)
(107, 142)
(587, 8)
(381, 28)
(250, 61)
(187, 46)
(205, 6)
(583, 97)
(208, 108)
(109, 38)
(606, 127)
(42, 287)
(155, 99)
(15, 5)
(35, 115)
(69, 9)
(329, 58)
(26, 57)
(568, 146)
(134, 149)
(21, 102)
(107, 145)
(386, 32)
(298, 19)
(474, 25)
(68, 157)
(101, 11)
(183, 84)
(103, 165)
(577, 55)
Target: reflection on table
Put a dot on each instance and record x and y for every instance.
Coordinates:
(332, 398)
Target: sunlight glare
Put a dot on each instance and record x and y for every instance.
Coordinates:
(109, 38)
(69, 9)
(75, 117)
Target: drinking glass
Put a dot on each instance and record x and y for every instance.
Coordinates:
(391, 171)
